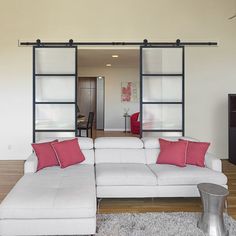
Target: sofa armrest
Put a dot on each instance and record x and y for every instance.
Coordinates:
(31, 164)
(212, 162)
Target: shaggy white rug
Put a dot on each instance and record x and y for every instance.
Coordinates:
(155, 224)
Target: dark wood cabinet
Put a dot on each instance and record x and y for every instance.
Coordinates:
(232, 127)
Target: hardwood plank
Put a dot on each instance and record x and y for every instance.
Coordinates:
(10, 173)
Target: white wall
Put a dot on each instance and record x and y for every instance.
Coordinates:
(114, 108)
(210, 71)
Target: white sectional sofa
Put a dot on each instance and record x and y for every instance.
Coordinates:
(52, 201)
(126, 168)
(56, 201)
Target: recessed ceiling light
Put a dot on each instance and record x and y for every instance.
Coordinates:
(115, 56)
(108, 65)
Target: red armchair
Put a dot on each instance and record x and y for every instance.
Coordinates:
(134, 123)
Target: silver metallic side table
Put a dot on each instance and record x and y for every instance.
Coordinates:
(213, 199)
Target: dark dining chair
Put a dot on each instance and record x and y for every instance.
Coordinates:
(87, 125)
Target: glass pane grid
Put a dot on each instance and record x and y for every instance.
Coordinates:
(148, 74)
(52, 74)
(162, 134)
(55, 117)
(162, 60)
(162, 89)
(55, 61)
(55, 102)
(162, 117)
(54, 92)
(39, 136)
(55, 89)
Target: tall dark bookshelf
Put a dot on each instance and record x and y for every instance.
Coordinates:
(232, 127)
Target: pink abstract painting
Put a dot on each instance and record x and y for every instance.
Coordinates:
(129, 92)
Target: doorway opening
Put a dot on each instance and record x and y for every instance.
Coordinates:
(90, 98)
(102, 72)
(158, 74)
(86, 99)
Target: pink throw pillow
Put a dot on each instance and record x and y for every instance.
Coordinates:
(45, 154)
(68, 152)
(196, 152)
(172, 152)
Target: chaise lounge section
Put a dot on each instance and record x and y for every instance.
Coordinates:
(52, 201)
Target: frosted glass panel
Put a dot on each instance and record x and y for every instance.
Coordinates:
(55, 89)
(162, 134)
(162, 116)
(162, 89)
(55, 116)
(162, 60)
(39, 136)
(55, 61)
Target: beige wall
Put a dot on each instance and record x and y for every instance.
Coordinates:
(210, 71)
(114, 108)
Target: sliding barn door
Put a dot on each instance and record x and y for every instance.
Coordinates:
(162, 91)
(54, 92)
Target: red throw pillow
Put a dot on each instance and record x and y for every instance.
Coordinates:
(196, 152)
(45, 154)
(172, 152)
(68, 152)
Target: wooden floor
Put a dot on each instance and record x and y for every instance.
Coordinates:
(11, 171)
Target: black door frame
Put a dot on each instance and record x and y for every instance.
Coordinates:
(142, 75)
(34, 92)
(71, 43)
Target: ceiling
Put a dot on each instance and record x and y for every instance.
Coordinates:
(101, 57)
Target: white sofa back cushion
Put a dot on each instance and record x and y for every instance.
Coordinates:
(85, 143)
(119, 156)
(89, 156)
(119, 150)
(118, 142)
(151, 155)
(150, 142)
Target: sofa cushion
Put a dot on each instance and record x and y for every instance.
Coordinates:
(84, 142)
(109, 174)
(52, 193)
(89, 156)
(118, 142)
(189, 175)
(120, 156)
